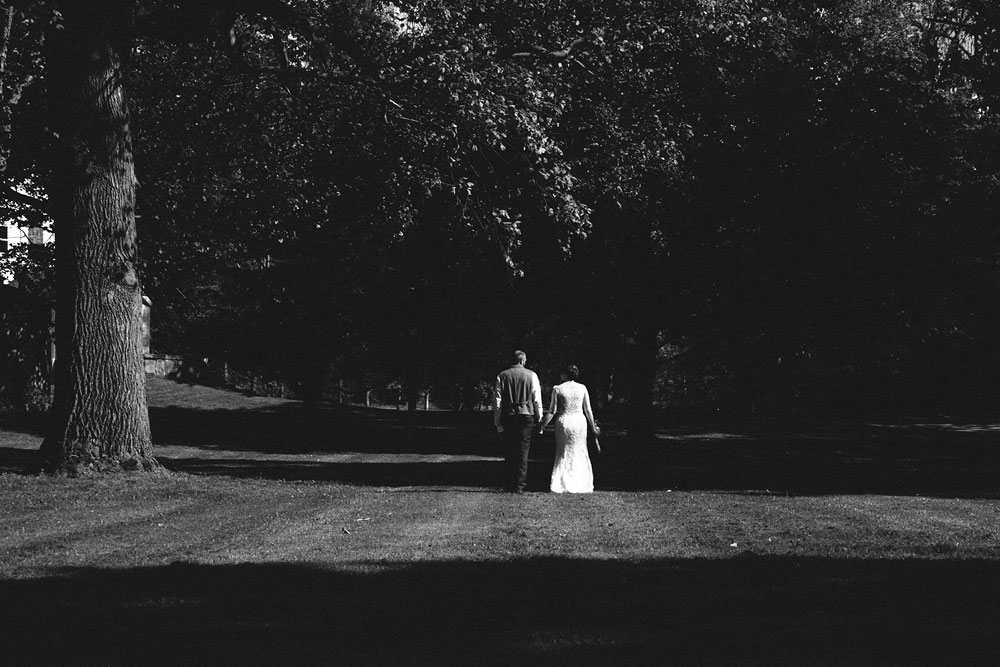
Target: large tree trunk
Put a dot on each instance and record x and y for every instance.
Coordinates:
(100, 418)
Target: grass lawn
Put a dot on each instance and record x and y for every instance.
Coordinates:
(354, 537)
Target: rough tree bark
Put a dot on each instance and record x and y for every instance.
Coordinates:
(100, 418)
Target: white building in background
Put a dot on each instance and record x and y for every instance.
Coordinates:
(12, 235)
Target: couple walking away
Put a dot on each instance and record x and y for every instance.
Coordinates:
(517, 411)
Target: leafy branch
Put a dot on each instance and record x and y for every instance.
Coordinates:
(12, 195)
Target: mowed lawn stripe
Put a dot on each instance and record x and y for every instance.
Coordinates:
(870, 526)
(426, 524)
(486, 525)
(156, 520)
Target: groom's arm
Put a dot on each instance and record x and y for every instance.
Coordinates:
(497, 402)
(536, 397)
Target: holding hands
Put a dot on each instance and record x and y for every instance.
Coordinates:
(543, 422)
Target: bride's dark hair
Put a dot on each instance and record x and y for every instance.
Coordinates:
(572, 372)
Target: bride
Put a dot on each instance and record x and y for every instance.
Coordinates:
(570, 405)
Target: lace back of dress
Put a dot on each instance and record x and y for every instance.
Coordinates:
(570, 399)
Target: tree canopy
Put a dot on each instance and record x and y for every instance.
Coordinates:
(755, 207)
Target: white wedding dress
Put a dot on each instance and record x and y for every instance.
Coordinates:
(572, 472)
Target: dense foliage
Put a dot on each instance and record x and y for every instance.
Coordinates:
(742, 206)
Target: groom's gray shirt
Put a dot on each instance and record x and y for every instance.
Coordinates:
(517, 392)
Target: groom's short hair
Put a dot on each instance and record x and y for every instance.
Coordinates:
(520, 357)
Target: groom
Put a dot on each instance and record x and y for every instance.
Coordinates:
(517, 407)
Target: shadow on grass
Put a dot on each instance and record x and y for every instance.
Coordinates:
(16, 460)
(446, 473)
(294, 429)
(857, 461)
(738, 472)
(897, 459)
(835, 458)
(745, 611)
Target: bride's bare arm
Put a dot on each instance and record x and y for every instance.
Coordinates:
(550, 414)
(588, 413)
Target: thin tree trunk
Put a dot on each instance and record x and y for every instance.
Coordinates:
(642, 375)
(8, 24)
(100, 418)
(5, 114)
(412, 397)
(313, 383)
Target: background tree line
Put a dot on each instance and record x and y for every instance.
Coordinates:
(734, 208)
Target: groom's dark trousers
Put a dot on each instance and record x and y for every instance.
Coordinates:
(516, 443)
